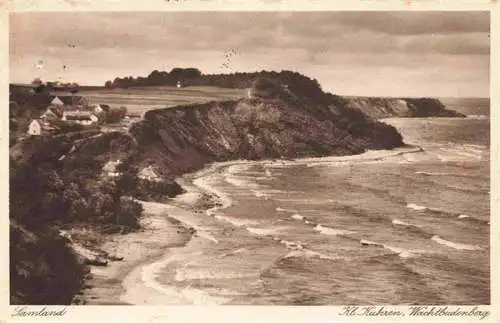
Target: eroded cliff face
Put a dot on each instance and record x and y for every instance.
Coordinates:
(183, 139)
(379, 108)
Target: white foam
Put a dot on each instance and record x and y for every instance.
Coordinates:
(306, 253)
(442, 158)
(463, 216)
(330, 231)
(398, 222)
(455, 245)
(416, 207)
(235, 221)
(403, 253)
(369, 156)
(183, 274)
(475, 146)
(474, 150)
(292, 245)
(477, 116)
(262, 231)
(469, 154)
(237, 168)
(189, 197)
(409, 158)
(204, 183)
(268, 172)
(205, 235)
(297, 217)
(238, 181)
(192, 296)
(260, 194)
(234, 252)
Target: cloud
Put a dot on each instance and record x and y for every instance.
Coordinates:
(418, 23)
(132, 43)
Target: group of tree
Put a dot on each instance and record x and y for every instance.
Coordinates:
(46, 195)
(42, 87)
(193, 76)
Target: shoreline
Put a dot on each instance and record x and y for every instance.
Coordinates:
(104, 286)
(165, 231)
(109, 285)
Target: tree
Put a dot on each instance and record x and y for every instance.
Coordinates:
(37, 81)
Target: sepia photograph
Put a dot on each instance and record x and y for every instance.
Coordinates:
(249, 158)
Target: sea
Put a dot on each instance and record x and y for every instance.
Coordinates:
(403, 226)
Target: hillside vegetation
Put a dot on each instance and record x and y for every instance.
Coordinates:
(47, 195)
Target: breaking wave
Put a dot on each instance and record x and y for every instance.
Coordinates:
(331, 231)
(455, 245)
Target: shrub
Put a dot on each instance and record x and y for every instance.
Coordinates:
(116, 114)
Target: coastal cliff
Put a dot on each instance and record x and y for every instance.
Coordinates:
(275, 122)
(379, 108)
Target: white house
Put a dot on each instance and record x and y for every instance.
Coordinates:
(149, 174)
(101, 108)
(35, 128)
(179, 85)
(249, 93)
(57, 102)
(109, 168)
(98, 109)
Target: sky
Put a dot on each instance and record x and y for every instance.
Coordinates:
(439, 54)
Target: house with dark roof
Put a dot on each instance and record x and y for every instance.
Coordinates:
(69, 100)
(52, 113)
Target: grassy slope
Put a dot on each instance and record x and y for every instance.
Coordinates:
(141, 99)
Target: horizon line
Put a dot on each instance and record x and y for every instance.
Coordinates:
(339, 94)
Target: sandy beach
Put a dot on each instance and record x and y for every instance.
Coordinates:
(158, 233)
(164, 227)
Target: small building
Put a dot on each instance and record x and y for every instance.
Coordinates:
(100, 108)
(35, 128)
(38, 127)
(94, 118)
(179, 84)
(78, 100)
(57, 101)
(110, 170)
(149, 174)
(52, 113)
(31, 91)
(82, 117)
(69, 101)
